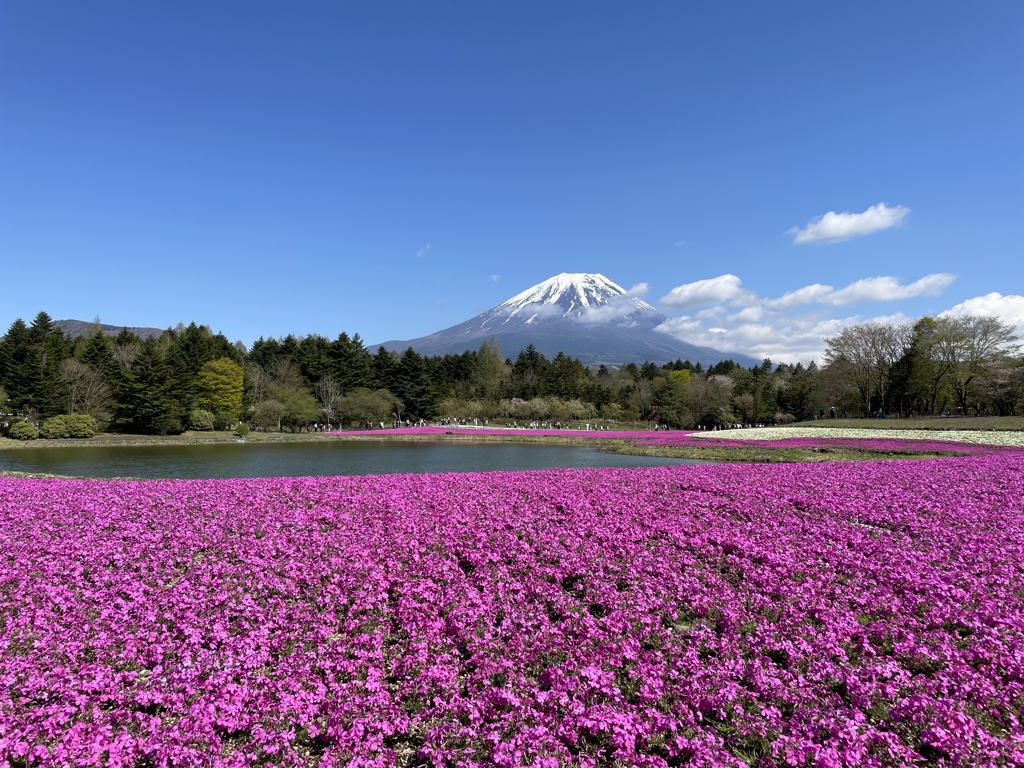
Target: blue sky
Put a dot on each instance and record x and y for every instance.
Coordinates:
(762, 172)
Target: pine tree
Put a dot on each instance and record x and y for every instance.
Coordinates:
(14, 354)
(352, 364)
(40, 377)
(412, 385)
(145, 401)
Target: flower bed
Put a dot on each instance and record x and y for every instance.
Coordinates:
(976, 437)
(873, 444)
(857, 614)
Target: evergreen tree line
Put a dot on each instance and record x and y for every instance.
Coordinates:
(191, 378)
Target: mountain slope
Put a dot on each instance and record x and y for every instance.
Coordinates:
(75, 328)
(586, 316)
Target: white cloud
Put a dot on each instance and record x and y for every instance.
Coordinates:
(748, 314)
(639, 290)
(889, 289)
(495, 278)
(835, 227)
(783, 338)
(711, 313)
(423, 251)
(882, 288)
(809, 294)
(792, 328)
(1009, 309)
(616, 306)
(704, 292)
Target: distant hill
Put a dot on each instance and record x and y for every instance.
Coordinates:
(75, 328)
(586, 316)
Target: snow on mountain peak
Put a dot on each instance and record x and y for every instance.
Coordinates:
(574, 294)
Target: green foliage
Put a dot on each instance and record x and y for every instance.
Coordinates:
(242, 430)
(941, 365)
(29, 360)
(22, 430)
(412, 386)
(363, 404)
(220, 385)
(146, 403)
(298, 408)
(268, 415)
(200, 420)
(76, 425)
(490, 375)
(225, 420)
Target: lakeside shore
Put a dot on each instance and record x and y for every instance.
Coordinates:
(812, 441)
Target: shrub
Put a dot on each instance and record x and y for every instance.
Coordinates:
(83, 425)
(165, 424)
(77, 425)
(200, 420)
(224, 420)
(242, 429)
(22, 430)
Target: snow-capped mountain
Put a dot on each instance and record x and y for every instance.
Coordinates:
(586, 316)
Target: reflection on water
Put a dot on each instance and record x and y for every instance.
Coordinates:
(305, 459)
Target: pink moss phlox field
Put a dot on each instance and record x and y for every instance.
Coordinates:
(876, 444)
(836, 614)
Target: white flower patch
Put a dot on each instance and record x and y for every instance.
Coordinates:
(975, 436)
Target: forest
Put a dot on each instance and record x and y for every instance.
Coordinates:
(190, 378)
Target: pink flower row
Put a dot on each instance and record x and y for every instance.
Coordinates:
(858, 614)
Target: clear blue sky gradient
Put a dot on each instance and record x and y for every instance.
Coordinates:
(394, 168)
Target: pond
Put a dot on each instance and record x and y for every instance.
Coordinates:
(307, 459)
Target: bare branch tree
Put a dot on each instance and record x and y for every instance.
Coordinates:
(126, 353)
(85, 389)
(328, 392)
(968, 346)
(871, 350)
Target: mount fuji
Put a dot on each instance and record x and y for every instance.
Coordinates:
(586, 316)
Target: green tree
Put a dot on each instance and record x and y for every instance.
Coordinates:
(567, 377)
(361, 405)
(412, 385)
(300, 408)
(313, 357)
(145, 401)
(351, 363)
(36, 357)
(15, 349)
(190, 348)
(385, 368)
(490, 374)
(220, 386)
(264, 352)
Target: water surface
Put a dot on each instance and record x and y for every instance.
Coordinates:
(307, 459)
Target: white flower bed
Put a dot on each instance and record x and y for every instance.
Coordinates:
(958, 436)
